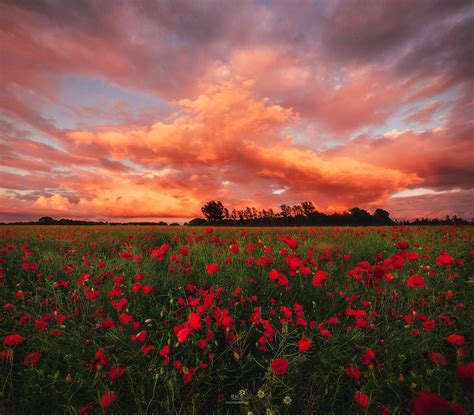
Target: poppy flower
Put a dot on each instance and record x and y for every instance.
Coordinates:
(438, 359)
(194, 321)
(304, 344)
(279, 366)
(211, 268)
(13, 340)
(319, 278)
(403, 245)
(415, 281)
(444, 260)
(165, 351)
(31, 359)
(188, 375)
(362, 399)
(140, 337)
(126, 318)
(234, 248)
(427, 403)
(147, 349)
(101, 358)
(183, 334)
(465, 374)
(292, 243)
(116, 372)
(353, 373)
(456, 339)
(107, 399)
(428, 325)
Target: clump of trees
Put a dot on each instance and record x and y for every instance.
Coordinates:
(305, 214)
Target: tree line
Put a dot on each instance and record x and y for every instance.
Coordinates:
(305, 214)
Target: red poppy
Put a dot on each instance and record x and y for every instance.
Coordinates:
(211, 268)
(107, 399)
(194, 321)
(183, 334)
(292, 243)
(140, 337)
(279, 366)
(444, 260)
(31, 359)
(147, 289)
(101, 358)
(304, 344)
(116, 372)
(438, 359)
(353, 373)
(188, 375)
(456, 339)
(428, 325)
(362, 399)
(13, 340)
(403, 245)
(126, 318)
(147, 349)
(415, 281)
(319, 278)
(427, 403)
(165, 351)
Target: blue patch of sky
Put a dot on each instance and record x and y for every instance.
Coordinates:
(31, 132)
(323, 141)
(397, 120)
(134, 166)
(97, 93)
(87, 92)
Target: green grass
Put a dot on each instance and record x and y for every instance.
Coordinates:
(62, 380)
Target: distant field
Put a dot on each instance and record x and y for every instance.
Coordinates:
(186, 320)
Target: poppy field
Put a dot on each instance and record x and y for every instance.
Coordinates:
(200, 320)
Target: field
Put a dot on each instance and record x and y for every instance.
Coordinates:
(185, 320)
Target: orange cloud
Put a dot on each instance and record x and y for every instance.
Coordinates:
(196, 102)
(224, 144)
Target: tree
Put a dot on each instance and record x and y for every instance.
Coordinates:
(382, 217)
(46, 220)
(308, 208)
(197, 222)
(213, 211)
(360, 216)
(285, 210)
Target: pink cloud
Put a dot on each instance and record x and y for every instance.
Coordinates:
(250, 92)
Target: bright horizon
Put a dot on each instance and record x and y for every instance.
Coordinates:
(144, 111)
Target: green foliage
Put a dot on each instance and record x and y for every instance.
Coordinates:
(232, 372)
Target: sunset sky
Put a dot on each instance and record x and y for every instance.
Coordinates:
(145, 110)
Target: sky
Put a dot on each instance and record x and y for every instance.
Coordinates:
(145, 110)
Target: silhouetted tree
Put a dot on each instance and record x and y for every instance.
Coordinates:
(213, 211)
(285, 210)
(308, 208)
(382, 217)
(197, 222)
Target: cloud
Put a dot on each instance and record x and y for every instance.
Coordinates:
(222, 140)
(184, 101)
(431, 205)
